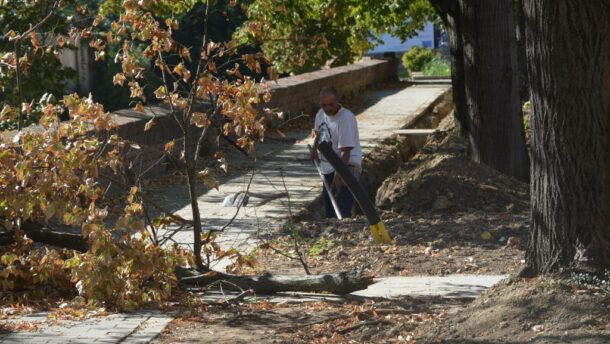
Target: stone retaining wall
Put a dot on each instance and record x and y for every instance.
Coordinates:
(300, 93)
(291, 95)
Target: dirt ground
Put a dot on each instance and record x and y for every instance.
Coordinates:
(446, 215)
(540, 310)
(534, 311)
(428, 244)
(353, 320)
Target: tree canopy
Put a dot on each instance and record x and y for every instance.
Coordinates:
(302, 35)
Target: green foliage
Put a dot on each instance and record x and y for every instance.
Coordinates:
(44, 75)
(320, 246)
(416, 58)
(403, 73)
(438, 66)
(33, 33)
(303, 35)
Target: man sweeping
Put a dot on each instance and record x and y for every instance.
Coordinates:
(337, 125)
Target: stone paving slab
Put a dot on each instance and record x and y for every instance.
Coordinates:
(450, 286)
(395, 287)
(131, 328)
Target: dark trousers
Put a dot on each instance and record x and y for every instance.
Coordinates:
(345, 200)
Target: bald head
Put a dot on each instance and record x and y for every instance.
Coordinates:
(329, 100)
(329, 90)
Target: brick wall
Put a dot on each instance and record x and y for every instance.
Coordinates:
(300, 93)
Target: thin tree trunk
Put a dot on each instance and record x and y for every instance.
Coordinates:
(18, 84)
(191, 181)
(568, 53)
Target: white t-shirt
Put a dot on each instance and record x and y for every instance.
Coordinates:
(343, 131)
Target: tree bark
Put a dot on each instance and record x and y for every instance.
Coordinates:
(524, 87)
(191, 181)
(337, 283)
(449, 12)
(568, 54)
(39, 233)
(486, 82)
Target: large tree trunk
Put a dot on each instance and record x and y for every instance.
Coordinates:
(524, 87)
(568, 51)
(450, 15)
(486, 82)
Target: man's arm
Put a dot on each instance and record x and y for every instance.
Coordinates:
(345, 154)
(337, 181)
(314, 150)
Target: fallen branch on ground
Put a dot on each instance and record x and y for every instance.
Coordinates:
(360, 324)
(43, 234)
(337, 283)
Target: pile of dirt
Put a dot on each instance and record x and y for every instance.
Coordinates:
(441, 178)
(534, 311)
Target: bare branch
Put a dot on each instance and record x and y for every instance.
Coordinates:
(193, 91)
(287, 196)
(208, 238)
(171, 235)
(167, 97)
(179, 219)
(33, 28)
(178, 164)
(297, 249)
(199, 145)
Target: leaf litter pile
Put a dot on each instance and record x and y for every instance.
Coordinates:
(55, 307)
(350, 321)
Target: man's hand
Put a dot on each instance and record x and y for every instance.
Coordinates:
(314, 155)
(336, 185)
(314, 150)
(314, 134)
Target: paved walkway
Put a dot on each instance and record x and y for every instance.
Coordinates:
(285, 165)
(450, 286)
(130, 328)
(279, 166)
